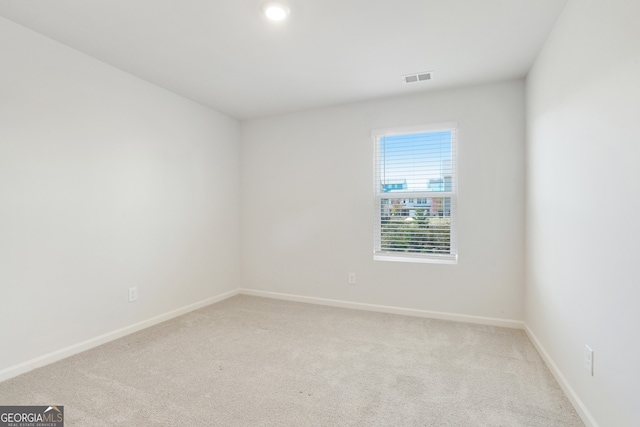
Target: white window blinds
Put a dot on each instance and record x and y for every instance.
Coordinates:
(415, 194)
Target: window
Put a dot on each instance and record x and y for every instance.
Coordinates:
(416, 194)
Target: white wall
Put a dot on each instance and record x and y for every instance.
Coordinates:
(307, 200)
(583, 211)
(106, 182)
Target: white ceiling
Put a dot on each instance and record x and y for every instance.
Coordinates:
(223, 54)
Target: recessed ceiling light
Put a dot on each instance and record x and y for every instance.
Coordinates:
(275, 11)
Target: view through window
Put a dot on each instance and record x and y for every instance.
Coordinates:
(415, 203)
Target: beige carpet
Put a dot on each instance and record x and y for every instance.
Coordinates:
(250, 361)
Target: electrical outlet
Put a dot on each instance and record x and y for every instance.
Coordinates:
(133, 294)
(588, 359)
(352, 278)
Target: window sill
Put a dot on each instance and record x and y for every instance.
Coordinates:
(404, 257)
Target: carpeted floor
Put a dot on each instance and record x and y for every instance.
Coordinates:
(250, 361)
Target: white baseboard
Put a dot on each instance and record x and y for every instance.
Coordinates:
(506, 323)
(46, 359)
(579, 406)
(571, 394)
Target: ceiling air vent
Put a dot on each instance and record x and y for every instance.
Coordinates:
(419, 77)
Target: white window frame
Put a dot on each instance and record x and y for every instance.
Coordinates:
(378, 254)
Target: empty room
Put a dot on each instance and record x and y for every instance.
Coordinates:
(319, 213)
